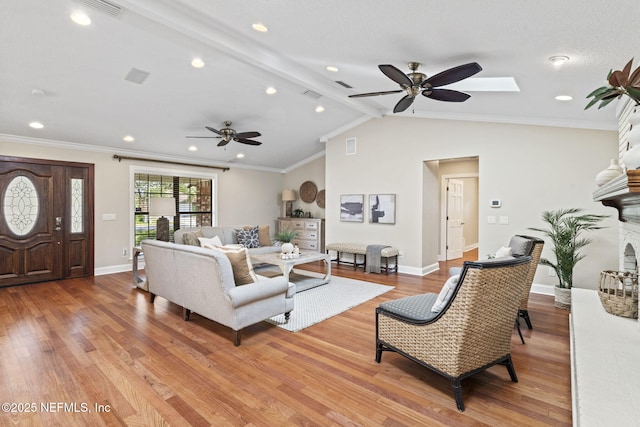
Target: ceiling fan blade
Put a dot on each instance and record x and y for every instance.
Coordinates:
(403, 104)
(361, 95)
(453, 75)
(395, 74)
(223, 143)
(243, 135)
(446, 95)
(214, 130)
(247, 141)
(202, 137)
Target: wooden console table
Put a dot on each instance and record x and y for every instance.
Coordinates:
(139, 281)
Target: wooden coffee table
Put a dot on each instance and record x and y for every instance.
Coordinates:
(302, 281)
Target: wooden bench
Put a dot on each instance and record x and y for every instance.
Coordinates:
(356, 249)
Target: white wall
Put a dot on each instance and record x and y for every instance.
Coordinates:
(244, 196)
(530, 168)
(313, 171)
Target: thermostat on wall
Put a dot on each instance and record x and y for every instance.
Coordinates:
(495, 203)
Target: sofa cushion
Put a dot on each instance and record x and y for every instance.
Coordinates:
(240, 264)
(248, 238)
(191, 238)
(264, 236)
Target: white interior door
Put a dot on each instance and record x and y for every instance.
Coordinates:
(455, 235)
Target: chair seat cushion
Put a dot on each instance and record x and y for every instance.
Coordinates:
(415, 308)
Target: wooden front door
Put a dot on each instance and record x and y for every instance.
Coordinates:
(46, 220)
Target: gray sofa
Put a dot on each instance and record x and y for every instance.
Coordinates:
(227, 235)
(201, 281)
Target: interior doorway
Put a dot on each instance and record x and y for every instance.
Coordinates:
(459, 207)
(46, 220)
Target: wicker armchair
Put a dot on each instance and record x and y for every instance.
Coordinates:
(534, 251)
(471, 333)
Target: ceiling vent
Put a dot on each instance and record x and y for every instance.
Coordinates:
(136, 76)
(311, 94)
(104, 6)
(343, 84)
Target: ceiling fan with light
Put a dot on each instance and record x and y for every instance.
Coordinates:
(227, 135)
(415, 83)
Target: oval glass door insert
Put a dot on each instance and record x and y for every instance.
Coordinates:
(21, 205)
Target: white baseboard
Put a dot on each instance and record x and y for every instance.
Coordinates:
(470, 247)
(100, 271)
(542, 289)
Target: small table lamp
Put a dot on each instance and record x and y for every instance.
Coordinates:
(288, 196)
(162, 206)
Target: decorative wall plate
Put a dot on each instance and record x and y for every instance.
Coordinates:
(320, 199)
(308, 191)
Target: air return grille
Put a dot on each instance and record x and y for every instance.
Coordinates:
(104, 6)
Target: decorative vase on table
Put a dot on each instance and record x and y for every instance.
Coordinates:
(614, 170)
(287, 248)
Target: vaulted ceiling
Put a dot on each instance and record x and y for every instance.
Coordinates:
(72, 78)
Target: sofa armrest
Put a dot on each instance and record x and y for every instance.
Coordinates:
(245, 294)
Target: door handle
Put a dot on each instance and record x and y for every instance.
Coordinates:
(58, 223)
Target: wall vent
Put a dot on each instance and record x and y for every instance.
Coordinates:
(343, 84)
(351, 146)
(104, 6)
(311, 94)
(136, 76)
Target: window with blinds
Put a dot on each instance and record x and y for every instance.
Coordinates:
(193, 196)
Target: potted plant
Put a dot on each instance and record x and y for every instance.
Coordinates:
(285, 237)
(621, 82)
(565, 228)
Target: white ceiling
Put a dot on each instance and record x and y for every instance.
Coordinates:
(88, 102)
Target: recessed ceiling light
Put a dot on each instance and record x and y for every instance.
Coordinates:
(240, 155)
(319, 109)
(197, 62)
(36, 125)
(193, 148)
(128, 138)
(260, 27)
(271, 90)
(558, 59)
(332, 68)
(564, 97)
(80, 18)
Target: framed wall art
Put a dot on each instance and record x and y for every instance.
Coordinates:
(352, 207)
(382, 208)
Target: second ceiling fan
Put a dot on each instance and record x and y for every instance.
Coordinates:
(227, 134)
(415, 83)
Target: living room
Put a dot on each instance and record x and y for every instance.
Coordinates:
(530, 164)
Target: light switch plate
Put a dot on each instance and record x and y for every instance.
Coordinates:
(491, 219)
(504, 220)
(108, 217)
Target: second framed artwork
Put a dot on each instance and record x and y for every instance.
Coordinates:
(382, 208)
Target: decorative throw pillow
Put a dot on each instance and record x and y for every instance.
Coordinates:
(264, 236)
(503, 252)
(191, 238)
(445, 294)
(248, 238)
(206, 242)
(241, 265)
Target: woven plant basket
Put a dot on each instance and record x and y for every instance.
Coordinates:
(618, 292)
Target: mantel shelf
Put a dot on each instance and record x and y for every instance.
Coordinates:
(622, 193)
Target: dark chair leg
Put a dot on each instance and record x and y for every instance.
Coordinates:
(457, 392)
(186, 313)
(525, 315)
(236, 338)
(152, 297)
(378, 352)
(287, 315)
(512, 370)
(519, 331)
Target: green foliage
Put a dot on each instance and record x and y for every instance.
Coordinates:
(621, 82)
(286, 236)
(565, 227)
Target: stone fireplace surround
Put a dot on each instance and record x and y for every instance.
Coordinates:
(605, 349)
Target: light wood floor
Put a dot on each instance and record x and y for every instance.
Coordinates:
(98, 341)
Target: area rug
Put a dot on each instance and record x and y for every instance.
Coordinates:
(317, 304)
